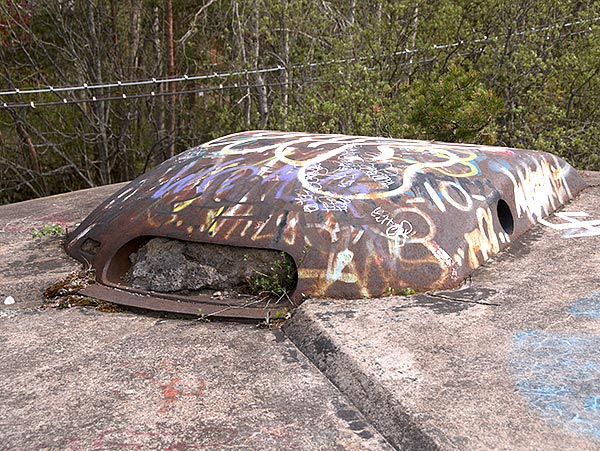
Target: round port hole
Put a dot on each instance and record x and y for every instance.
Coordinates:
(505, 217)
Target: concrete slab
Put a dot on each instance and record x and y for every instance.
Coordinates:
(509, 362)
(79, 379)
(28, 265)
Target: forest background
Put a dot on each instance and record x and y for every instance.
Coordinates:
(511, 73)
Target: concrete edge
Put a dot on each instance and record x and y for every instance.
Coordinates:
(402, 428)
(391, 419)
(591, 178)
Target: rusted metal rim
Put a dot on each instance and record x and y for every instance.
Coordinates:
(203, 306)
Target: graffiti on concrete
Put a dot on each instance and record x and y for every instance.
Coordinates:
(558, 375)
(373, 213)
(587, 307)
(573, 226)
(172, 388)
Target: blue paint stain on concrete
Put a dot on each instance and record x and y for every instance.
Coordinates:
(589, 306)
(560, 377)
(591, 404)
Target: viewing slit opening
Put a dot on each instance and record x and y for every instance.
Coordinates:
(505, 217)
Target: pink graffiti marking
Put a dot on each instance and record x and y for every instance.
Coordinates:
(169, 391)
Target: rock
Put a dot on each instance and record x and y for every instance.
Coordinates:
(160, 265)
(168, 266)
(9, 300)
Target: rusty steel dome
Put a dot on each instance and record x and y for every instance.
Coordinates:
(359, 216)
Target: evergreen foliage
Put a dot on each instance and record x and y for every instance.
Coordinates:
(519, 74)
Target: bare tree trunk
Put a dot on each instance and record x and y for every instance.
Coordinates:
(261, 88)
(286, 61)
(242, 49)
(171, 124)
(413, 37)
(33, 155)
(95, 70)
(159, 119)
(135, 32)
(378, 14)
(113, 19)
(351, 9)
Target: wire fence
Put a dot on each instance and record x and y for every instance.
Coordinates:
(93, 89)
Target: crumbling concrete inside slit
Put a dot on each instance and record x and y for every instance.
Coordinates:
(172, 266)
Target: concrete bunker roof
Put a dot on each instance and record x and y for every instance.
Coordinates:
(360, 216)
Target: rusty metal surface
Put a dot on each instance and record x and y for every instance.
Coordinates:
(204, 305)
(360, 216)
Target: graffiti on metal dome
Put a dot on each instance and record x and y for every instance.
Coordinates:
(357, 214)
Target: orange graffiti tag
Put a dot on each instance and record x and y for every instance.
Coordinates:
(170, 391)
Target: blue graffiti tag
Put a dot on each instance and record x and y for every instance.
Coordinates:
(589, 306)
(560, 377)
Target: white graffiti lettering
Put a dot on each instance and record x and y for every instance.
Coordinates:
(540, 190)
(397, 231)
(573, 227)
(312, 203)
